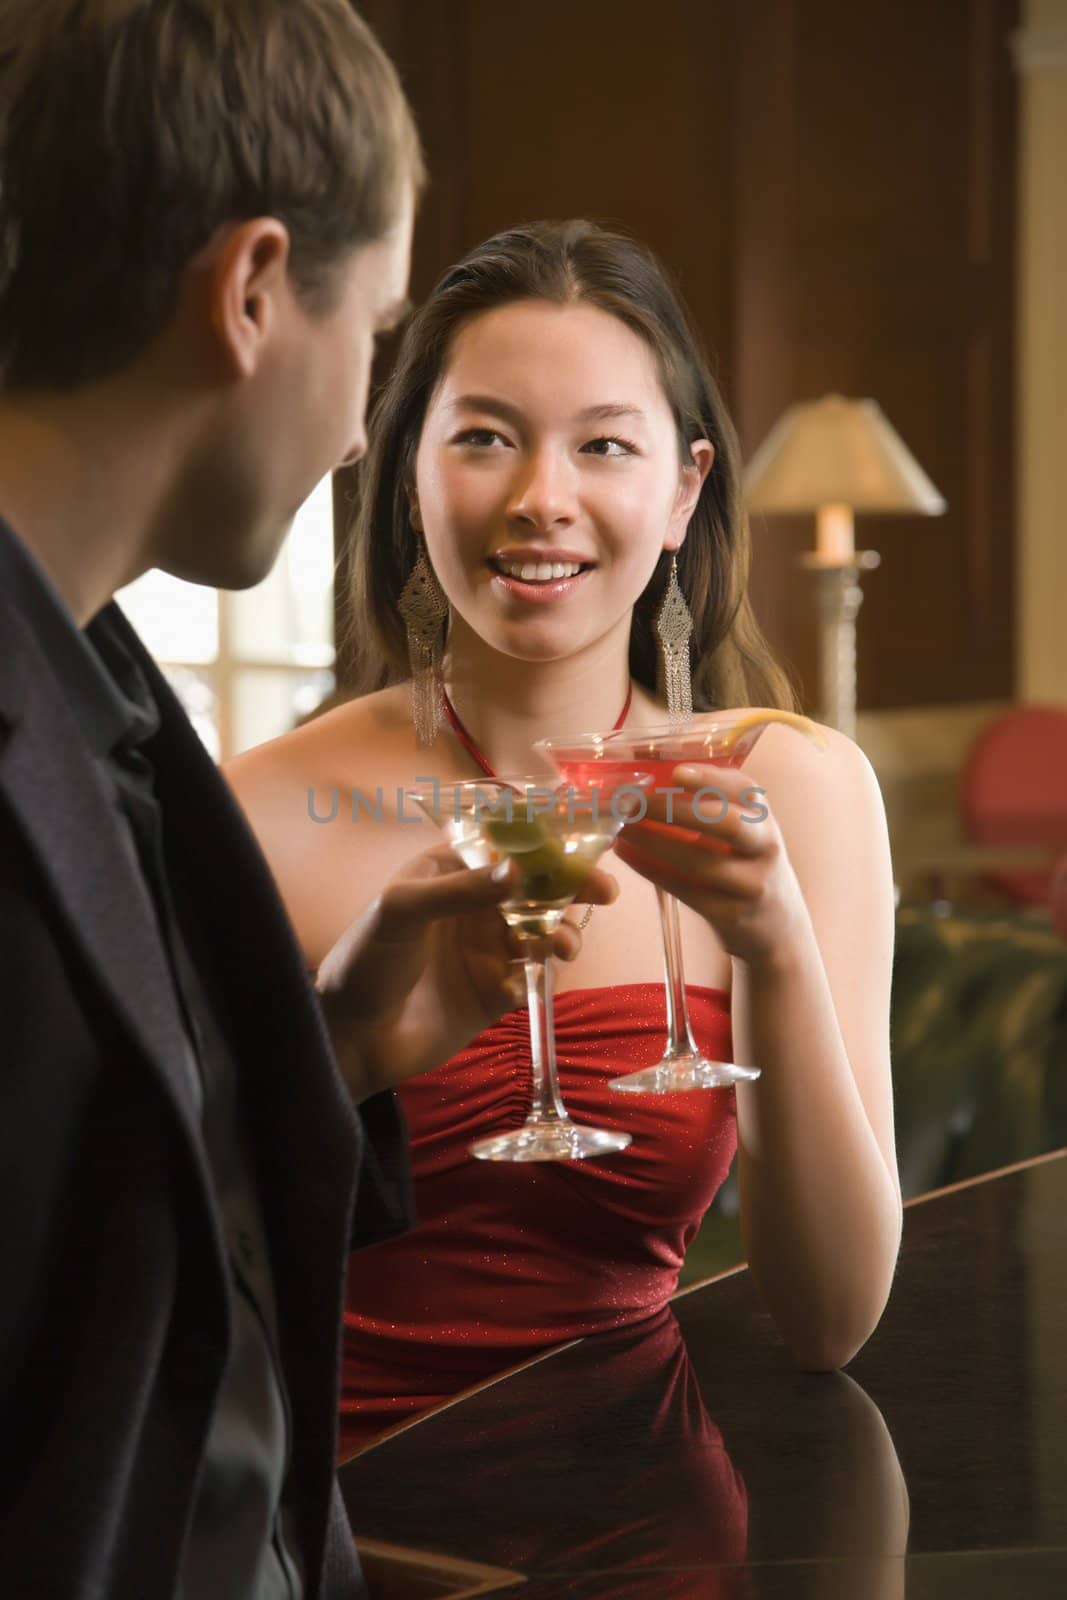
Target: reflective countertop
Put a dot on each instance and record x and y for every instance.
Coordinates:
(687, 1458)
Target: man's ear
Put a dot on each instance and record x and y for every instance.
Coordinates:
(247, 285)
(691, 482)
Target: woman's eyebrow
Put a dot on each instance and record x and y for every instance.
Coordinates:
(503, 408)
(606, 413)
(485, 402)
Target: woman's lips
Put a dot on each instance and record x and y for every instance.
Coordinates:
(539, 593)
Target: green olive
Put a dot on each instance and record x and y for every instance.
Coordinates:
(548, 873)
(516, 835)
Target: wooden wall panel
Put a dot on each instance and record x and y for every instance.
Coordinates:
(833, 185)
(875, 241)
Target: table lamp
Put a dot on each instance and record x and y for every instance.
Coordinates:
(835, 457)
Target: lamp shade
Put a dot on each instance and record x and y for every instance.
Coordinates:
(836, 451)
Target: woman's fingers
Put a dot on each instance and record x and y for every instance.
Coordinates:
(565, 944)
(685, 869)
(598, 889)
(567, 941)
(437, 886)
(718, 809)
(410, 904)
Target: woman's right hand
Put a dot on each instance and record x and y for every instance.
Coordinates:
(429, 965)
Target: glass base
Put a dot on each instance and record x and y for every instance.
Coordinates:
(676, 1074)
(557, 1140)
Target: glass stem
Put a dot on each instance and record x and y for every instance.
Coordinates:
(547, 1105)
(680, 1041)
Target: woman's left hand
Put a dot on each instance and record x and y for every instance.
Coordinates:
(712, 841)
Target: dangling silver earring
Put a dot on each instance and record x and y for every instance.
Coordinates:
(674, 629)
(423, 606)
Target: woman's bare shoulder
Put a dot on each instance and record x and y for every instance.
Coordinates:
(336, 746)
(819, 793)
(292, 786)
(356, 747)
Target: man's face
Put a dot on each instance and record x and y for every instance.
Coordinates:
(298, 417)
(373, 299)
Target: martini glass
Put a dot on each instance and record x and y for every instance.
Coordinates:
(555, 834)
(595, 757)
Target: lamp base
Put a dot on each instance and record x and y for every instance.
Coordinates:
(838, 598)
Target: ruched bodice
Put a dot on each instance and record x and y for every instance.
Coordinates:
(507, 1259)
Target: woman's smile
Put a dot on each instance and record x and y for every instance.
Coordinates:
(538, 574)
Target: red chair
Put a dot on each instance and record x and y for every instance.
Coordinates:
(1013, 792)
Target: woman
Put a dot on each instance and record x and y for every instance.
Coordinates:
(550, 461)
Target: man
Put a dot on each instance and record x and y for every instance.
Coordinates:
(205, 217)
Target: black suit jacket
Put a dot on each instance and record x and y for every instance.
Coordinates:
(113, 1299)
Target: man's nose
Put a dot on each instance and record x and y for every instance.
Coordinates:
(358, 448)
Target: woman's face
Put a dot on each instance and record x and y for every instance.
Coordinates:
(548, 480)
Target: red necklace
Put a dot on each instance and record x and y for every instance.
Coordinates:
(472, 749)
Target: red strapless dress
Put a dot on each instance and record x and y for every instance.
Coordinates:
(508, 1259)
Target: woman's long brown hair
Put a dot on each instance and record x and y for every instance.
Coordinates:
(568, 263)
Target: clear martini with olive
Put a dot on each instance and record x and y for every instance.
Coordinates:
(554, 835)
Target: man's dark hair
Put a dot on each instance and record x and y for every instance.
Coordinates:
(131, 130)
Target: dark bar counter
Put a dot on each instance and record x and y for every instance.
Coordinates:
(687, 1459)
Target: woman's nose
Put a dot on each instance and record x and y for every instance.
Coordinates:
(544, 492)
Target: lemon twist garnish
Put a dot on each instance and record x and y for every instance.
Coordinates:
(760, 719)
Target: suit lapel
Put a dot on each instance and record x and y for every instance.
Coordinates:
(266, 1007)
(60, 801)
(307, 1137)
(50, 782)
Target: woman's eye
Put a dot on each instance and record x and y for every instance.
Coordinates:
(480, 437)
(610, 447)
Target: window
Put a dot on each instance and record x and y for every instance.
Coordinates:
(248, 666)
